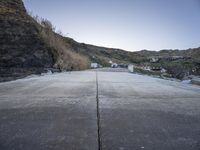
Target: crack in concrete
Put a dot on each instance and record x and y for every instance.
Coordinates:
(98, 115)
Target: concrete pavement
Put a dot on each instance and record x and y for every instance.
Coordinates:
(141, 112)
(53, 112)
(59, 112)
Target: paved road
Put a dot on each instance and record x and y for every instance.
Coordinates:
(140, 112)
(59, 112)
(55, 112)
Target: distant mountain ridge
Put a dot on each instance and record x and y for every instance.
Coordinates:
(192, 52)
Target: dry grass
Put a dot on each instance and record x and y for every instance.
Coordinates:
(64, 56)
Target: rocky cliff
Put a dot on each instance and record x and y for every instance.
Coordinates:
(22, 50)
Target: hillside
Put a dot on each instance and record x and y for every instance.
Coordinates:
(178, 63)
(31, 47)
(103, 55)
(193, 53)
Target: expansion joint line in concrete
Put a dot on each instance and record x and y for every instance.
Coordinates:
(98, 115)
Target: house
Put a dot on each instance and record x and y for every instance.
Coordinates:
(156, 68)
(122, 66)
(154, 59)
(94, 65)
(114, 65)
(110, 62)
(131, 68)
(148, 68)
(163, 70)
(177, 57)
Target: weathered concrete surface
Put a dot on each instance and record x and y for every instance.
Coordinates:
(141, 112)
(58, 112)
(54, 112)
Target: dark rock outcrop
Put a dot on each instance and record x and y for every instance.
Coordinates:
(21, 47)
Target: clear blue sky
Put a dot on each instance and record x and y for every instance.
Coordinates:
(126, 24)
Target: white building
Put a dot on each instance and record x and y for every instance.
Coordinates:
(163, 70)
(110, 62)
(148, 68)
(131, 68)
(154, 59)
(94, 65)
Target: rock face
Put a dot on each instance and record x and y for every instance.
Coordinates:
(22, 50)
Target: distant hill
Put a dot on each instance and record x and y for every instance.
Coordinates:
(103, 55)
(193, 53)
(178, 63)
